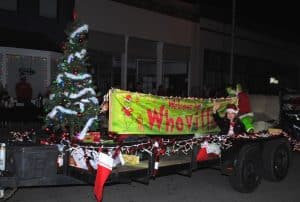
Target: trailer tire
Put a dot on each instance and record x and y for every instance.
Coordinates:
(247, 169)
(276, 160)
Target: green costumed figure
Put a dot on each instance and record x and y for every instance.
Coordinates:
(245, 113)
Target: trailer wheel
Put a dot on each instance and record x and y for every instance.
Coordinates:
(247, 169)
(276, 160)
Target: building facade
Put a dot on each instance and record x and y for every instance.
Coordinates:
(129, 45)
(31, 32)
(34, 24)
(153, 44)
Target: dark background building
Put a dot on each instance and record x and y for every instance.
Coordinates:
(34, 24)
(182, 44)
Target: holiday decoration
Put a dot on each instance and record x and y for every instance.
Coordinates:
(162, 126)
(105, 158)
(25, 136)
(79, 161)
(245, 113)
(131, 159)
(207, 150)
(73, 106)
(210, 145)
(92, 137)
(138, 114)
(274, 131)
(202, 155)
(104, 169)
(296, 146)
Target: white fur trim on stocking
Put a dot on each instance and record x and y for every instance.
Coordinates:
(106, 161)
(211, 147)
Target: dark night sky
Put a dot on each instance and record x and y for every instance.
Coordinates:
(279, 19)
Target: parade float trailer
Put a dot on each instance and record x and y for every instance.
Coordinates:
(143, 137)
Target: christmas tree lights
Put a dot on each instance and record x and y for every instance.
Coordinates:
(73, 105)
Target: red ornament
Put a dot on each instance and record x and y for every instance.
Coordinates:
(75, 16)
(43, 142)
(96, 136)
(65, 136)
(63, 46)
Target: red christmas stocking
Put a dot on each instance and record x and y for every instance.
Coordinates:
(103, 171)
(202, 154)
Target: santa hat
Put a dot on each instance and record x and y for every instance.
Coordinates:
(231, 108)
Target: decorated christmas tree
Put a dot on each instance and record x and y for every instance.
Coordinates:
(73, 105)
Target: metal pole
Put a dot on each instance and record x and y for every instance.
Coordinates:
(137, 71)
(159, 63)
(232, 44)
(124, 64)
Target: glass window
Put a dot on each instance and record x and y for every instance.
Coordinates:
(146, 74)
(105, 68)
(116, 72)
(33, 68)
(216, 73)
(48, 8)
(175, 70)
(253, 73)
(175, 78)
(10, 5)
(141, 74)
(141, 65)
(102, 69)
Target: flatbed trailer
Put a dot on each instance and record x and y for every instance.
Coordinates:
(245, 158)
(246, 162)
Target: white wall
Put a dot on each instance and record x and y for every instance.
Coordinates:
(265, 107)
(116, 18)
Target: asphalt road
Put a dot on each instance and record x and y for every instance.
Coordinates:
(205, 185)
